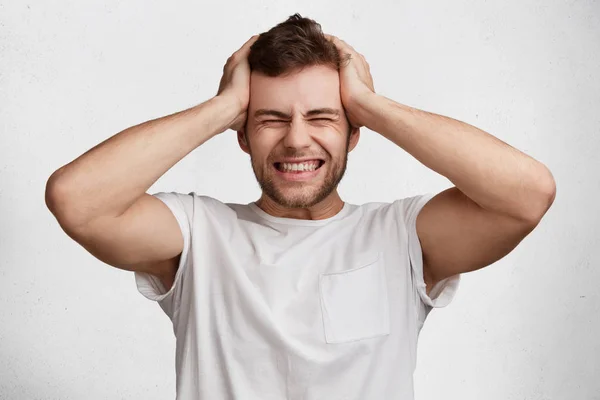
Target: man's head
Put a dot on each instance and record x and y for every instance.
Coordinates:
(296, 112)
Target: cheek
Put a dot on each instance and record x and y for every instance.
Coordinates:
(261, 153)
(334, 144)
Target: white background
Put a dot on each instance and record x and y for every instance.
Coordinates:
(73, 73)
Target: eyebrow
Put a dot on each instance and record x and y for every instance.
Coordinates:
(310, 113)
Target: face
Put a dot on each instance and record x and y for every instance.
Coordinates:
(297, 117)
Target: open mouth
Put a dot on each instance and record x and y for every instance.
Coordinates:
(299, 168)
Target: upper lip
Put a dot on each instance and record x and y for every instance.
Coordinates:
(298, 160)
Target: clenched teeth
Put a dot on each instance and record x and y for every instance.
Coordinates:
(298, 167)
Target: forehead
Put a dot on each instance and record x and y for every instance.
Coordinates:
(316, 86)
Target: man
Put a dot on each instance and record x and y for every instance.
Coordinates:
(299, 295)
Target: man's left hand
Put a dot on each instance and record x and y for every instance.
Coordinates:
(356, 82)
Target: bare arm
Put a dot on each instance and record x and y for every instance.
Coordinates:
(501, 193)
(109, 178)
(100, 198)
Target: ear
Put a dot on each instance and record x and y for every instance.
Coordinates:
(354, 136)
(241, 135)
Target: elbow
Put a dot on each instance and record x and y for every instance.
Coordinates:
(52, 193)
(544, 199)
(548, 191)
(57, 196)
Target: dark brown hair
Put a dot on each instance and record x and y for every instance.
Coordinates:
(292, 45)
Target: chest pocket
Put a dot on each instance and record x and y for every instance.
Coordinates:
(354, 303)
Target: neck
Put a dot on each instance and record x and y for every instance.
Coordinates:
(327, 208)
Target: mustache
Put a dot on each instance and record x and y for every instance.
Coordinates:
(298, 156)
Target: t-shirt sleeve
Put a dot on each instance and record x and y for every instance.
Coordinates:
(182, 207)
(443, 292)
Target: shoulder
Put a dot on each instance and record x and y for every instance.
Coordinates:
(403, 209)
(408, 208)
(194, 204)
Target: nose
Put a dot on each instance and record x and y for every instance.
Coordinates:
(297, 136)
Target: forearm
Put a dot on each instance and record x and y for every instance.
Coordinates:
(490, 172)
(111, 176)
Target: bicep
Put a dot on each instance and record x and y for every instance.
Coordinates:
(457, 235)
(145, 238)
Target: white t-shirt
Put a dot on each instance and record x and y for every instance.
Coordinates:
(271, 308)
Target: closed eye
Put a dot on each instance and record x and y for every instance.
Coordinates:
(284, 121)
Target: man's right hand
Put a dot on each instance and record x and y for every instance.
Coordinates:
(235, 83)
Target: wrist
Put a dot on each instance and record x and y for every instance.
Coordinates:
(227, 108)
(366, 107)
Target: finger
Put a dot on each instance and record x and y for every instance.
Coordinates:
(342, 47)
(245, 49)
(364, 62)
(356, 55)
(339, 43)
(345, 46)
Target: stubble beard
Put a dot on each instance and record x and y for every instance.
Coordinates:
(300, 194)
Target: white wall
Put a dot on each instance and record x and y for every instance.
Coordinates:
(73, 73)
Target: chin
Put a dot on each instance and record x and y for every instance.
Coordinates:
(301, 198)
(298, 201)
